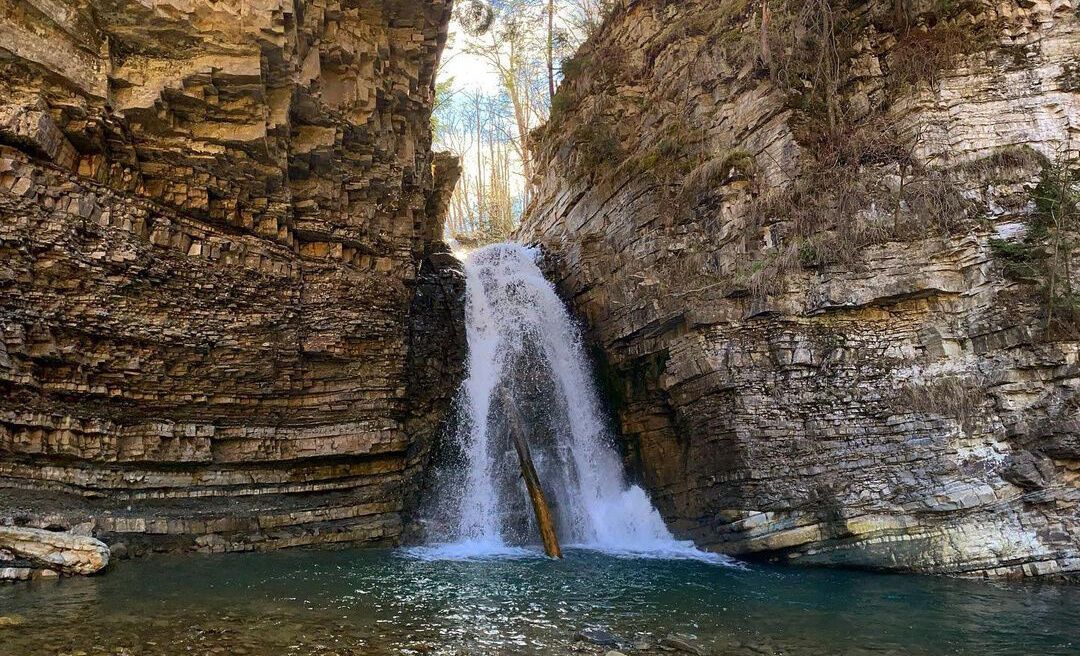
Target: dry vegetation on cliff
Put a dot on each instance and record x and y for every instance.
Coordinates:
(799, 232)
(859, 181)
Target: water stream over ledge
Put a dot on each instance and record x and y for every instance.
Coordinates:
(528, 373)
(383, 602)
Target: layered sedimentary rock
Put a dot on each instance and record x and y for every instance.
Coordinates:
(58, 552)
(221, 284)
(801, 236)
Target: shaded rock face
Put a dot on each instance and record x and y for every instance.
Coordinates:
(220, 282)
(809, 361)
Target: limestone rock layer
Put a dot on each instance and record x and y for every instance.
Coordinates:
(793, 232)
(57, 551)
(220, 280)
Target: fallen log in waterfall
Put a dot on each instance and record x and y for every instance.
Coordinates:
(520, 436)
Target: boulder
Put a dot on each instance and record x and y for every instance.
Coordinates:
(58, 551)
(600, 637)
(681, 643)
(1028, 471)
(15, 573)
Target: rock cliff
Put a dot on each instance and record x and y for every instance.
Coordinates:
(828, 253)
(226, 320)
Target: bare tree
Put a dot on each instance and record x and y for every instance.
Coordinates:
(551, 50)
(478, 128)
(584, 17)
(521, 42)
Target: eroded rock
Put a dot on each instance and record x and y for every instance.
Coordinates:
(16, 573)
(54, 551)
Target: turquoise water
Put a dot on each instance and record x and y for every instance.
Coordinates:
(387, 602)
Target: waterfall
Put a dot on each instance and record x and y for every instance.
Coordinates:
(525, 349)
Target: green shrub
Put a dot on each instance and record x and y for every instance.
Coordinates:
(572, 67)
(560, 105)
(598, 146)
(1045, 256)
(1019, 260)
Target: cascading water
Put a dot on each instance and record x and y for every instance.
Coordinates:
(525, 350)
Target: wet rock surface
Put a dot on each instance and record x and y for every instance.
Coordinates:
(595, 636)
(681, 643)
(220, 276)
(791, 388)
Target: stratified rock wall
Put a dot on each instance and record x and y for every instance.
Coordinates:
(795, 259)
(217, 220)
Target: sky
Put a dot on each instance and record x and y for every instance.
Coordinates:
(470, 72)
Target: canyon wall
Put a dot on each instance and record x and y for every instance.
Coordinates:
(226, 318)
(825, 252)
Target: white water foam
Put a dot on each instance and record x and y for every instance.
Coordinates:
(471, 550)
(524, 349)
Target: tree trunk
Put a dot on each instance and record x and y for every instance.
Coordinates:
(766, 50)
(479, 164)
(519, 435)
(551, 51)
(900, 14)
